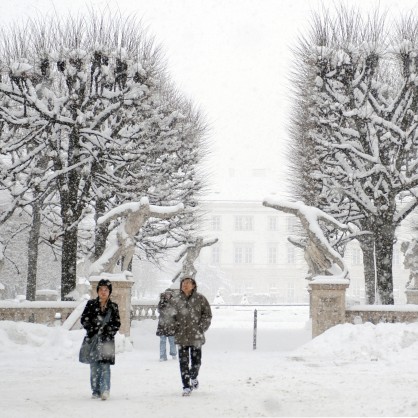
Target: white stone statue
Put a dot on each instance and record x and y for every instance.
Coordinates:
(322, 259)
(190, 254)
(410, 251)
(121, 240)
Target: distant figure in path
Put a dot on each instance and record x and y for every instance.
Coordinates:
(322, 259)
(121, 241)
(190, 254)
(166, 324)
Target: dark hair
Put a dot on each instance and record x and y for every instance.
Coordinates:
(188, 278)
(104, 282)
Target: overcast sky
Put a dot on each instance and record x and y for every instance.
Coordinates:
(233, 59)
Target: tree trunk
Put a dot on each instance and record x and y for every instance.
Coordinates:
(71, 207)
(69, 262)
(367, 247)
(101, 232)
(33, 248)
(385, 235)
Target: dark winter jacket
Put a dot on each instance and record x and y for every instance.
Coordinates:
(193, 317)
(166, 321)
(92, 319)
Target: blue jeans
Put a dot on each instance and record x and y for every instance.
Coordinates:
(99, 377)
(163, 347)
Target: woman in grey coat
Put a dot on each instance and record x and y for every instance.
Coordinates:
(193, 317)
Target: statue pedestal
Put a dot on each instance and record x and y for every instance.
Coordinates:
(327, 304)
(412, 296)
(121, 294)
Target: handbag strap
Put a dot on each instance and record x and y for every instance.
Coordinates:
(105, 320)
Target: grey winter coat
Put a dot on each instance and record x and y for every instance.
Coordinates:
(193, 317)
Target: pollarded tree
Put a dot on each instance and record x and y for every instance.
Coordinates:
(164, 171)
(73, 89)
(362, 126)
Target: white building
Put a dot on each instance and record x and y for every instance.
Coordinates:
(258, 261)
(253, 262)
(253, 251)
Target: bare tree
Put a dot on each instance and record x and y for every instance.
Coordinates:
(361, 127)
(86, 94)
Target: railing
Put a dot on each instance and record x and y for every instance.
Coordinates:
(381, 313)
(141, 312)
(46, 312)
(36, 312)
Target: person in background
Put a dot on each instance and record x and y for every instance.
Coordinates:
(92, 319)
(166, 324)
(193, 318)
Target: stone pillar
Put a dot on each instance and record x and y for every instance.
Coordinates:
(327, 303)
(121, 294)
(412, 296)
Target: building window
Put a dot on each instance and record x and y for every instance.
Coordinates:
(291, 224)
(215, 223)
(290, 254)
(243, 254)
(272, 223)
(290, 292)
(216, 255)
(243, 223)
(272, 254)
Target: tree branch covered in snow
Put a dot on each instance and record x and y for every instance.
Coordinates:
(89, 97)
(355, 113)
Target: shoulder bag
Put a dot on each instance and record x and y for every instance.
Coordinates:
(88, 351)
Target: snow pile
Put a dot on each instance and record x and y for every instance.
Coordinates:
(348, 343)
(56, 342)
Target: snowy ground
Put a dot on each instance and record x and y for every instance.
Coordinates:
(351, 370)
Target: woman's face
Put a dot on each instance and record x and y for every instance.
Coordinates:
(187, 286)
(103, 293)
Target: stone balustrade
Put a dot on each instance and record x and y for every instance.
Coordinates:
(381, 313)
(328, 308)
(47, 312)
(141, 312)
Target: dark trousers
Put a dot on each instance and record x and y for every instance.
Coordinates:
(189, 355)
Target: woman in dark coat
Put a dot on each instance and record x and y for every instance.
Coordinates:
(92, 318)
(193, 318)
